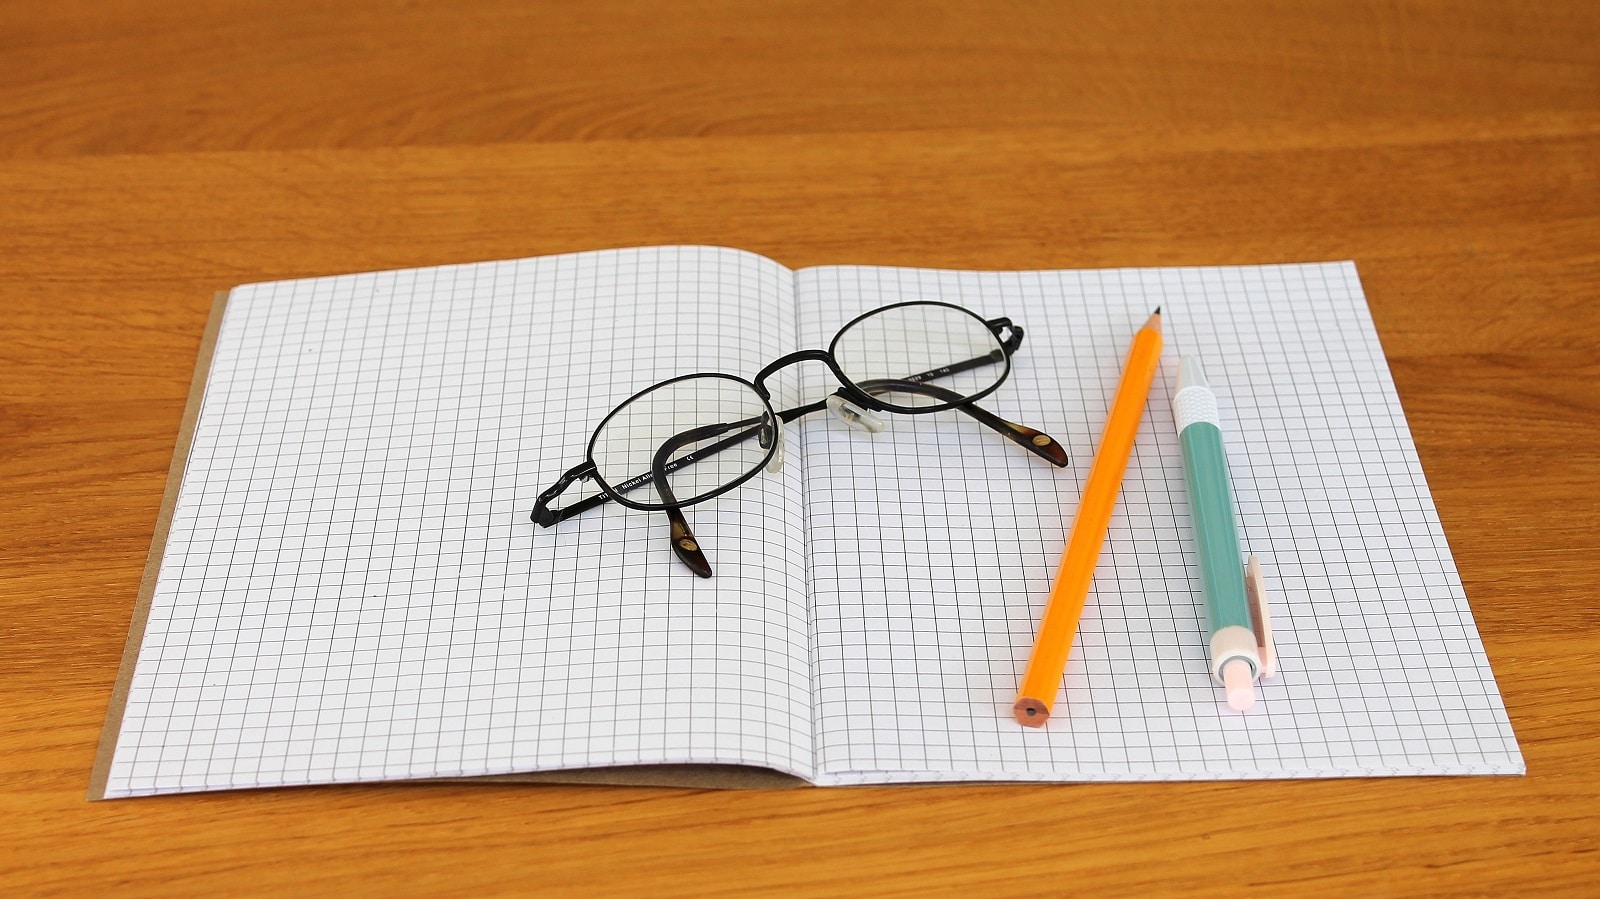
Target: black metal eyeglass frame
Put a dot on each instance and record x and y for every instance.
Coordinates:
(867, 395)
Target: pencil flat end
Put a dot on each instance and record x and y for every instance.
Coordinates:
(1031, 712)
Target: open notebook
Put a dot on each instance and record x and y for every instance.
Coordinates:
(346, 586)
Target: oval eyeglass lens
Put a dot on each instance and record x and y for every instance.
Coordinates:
(921, 356)
(683, 440)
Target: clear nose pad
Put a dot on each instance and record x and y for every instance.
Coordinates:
(853, 415)
(772, 433)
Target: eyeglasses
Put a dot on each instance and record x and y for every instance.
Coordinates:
(697, 436)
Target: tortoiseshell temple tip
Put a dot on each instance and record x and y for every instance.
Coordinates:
(1041, 444)
(687, 549)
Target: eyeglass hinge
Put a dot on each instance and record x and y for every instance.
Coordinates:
(1009, 340)
(543, 515)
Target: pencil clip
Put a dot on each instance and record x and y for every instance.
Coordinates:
(1255, 591)
(853, 415)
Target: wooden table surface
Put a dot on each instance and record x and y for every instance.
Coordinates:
(153, 153)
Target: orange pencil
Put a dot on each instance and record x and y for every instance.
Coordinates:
(1042, 680)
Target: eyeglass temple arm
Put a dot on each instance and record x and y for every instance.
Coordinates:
(545, 516)
(1009, 343)
(1008, 334)
(1031, 439)
(684, 544)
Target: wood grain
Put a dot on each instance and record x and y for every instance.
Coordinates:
(153, 154)
(123, 76)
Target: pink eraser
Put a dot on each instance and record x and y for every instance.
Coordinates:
(1240, 685)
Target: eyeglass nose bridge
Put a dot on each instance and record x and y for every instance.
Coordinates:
(826, 358)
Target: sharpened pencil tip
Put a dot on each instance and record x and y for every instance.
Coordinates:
(1157, 312)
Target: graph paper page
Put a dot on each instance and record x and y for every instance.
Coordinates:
(933, 546)
(352, 589)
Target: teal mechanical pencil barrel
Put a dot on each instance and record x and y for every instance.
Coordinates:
(1239, 645)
